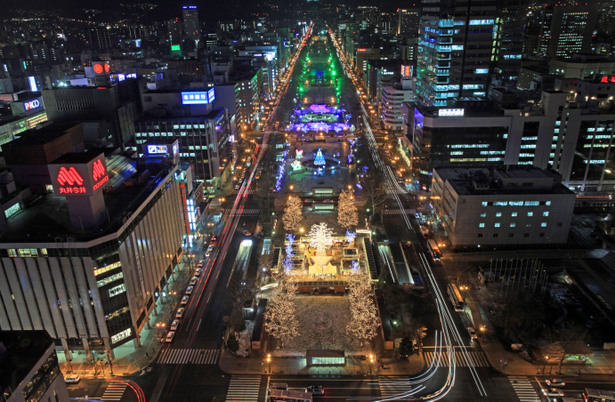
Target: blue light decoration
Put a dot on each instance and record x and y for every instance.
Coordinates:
(280, 174)
(320, 159)
(288, 250)
(355, 266)
(350, 236)
(198, 97)
(296, 165)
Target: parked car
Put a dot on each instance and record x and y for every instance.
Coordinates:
(180, 312)
(316, 389)
(194, 280)
(170, 336)
(555, 382)
(553, 392)
(472, 333)
(72, 379)
(197, 271)
(184, 300)
(174, 325)
(189, 290)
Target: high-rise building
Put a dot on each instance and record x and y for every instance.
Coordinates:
(408, 21)
(100, 38)
(174, 31)
(567, 29)
(191, 22)
(509, 38)
(454, 51)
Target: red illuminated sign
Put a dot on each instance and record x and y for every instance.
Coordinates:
(69, 177)
(98, 170)
(606, 79)
(361, 49)
(98, 68)
(106, 67)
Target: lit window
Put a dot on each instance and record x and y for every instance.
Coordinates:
(483, 215)
(543, 225)
(530, 214)
(481, 225)
(498, 214)
(497, 224)
(484, 203)
(545, 213)
(512, 225)
(513, 214)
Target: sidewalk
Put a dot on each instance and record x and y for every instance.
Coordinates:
(128, 358)
(297, 366)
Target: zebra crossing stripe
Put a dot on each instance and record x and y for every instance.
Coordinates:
(477, 358)
(194, 356)
(390, 386)
(524, 389)
(244, 389)
(114, 392)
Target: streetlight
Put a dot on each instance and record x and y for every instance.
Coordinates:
(371, 363)
(269, 362)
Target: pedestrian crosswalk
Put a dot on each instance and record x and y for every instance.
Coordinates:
(114, 392)
(244, 388)
(189, 356)
(248, 211)
(478, 358)
(390, 386)
(524, 389)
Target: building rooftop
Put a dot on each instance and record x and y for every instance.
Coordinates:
(47, 220)
(511, 180)
(19, 352)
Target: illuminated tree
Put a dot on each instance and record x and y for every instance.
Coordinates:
(364, 322)
(347, 214)
(293, 214)
(320, 237)
(280, 316)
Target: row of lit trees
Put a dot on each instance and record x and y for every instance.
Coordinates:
(347, 212)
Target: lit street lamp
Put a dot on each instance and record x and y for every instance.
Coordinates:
(269, 362)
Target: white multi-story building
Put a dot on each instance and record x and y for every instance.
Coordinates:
(513, 205)
(91, 262)
(392, 99)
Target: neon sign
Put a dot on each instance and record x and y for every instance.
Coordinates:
(98, 68)
(156, 149)
(406, 71)
(607, 79)
(98, 170)
(450, 112)
(33, 104)
(78, 178)
(198, 98)
(69, 176)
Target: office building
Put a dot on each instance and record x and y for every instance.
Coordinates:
(454, 51)
(89, 262)
(408, 21)
(29, 369)
(506, 206)
(119, 105)
(567, 29)
(509, 38)
(392, 99)
(192, 29)
(572, 135)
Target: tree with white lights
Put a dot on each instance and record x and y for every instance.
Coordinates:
(321, 237)
(293, 214)
(347, 214)
(287, 263)
(364, 322)
(280, 316)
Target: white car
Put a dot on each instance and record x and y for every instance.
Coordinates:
(174, 325)
(553, 392)
(184, 300)
(189, 290)
(193, 280)
(170, 336)
(197, 272)
(180, 312)
(73, 379)
(472, 333)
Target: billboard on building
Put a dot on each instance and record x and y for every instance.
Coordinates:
(198, 97)
(77, 178)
